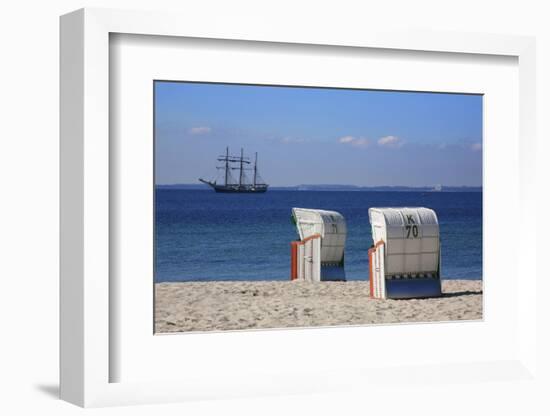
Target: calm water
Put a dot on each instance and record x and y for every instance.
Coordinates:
(202, 235)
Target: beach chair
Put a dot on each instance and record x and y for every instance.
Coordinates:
(319, 253)
(405, 258)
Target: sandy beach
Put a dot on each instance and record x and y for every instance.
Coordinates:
(215, 306)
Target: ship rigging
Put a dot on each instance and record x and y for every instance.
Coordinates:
(243, 184)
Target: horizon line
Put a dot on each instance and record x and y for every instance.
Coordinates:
(338, 185)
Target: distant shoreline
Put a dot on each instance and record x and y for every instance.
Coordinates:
(340, 188)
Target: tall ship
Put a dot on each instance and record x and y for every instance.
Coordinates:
(242, 183)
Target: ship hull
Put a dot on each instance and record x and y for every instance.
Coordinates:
(239, 190)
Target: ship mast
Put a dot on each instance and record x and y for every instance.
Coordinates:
(226, 164)
(241, 171)
(255, 168)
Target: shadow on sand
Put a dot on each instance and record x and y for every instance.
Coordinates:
(464, 293)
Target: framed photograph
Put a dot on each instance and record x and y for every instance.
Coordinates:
(275, 212)
(358, 172)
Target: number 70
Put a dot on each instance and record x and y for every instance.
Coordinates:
(414, 230)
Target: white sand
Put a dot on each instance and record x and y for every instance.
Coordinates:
(214, 306)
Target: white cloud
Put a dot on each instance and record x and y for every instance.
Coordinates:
(354, 141)
(390, 141)
(346, 139)
(476, 147)
(199, 130)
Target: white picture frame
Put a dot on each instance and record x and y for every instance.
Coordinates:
(86, 291)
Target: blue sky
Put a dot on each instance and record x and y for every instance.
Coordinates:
(319, 136)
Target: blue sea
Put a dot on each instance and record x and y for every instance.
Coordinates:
(206, 236)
